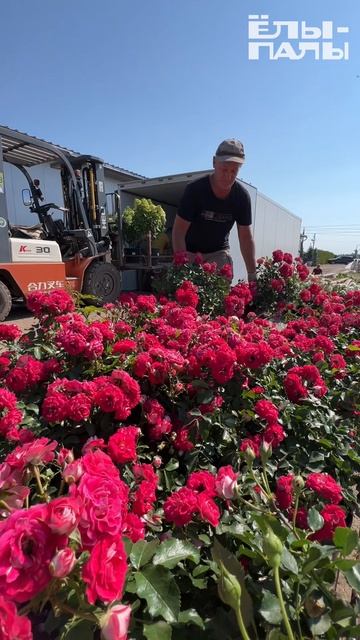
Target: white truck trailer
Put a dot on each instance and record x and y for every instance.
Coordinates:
(274, 227)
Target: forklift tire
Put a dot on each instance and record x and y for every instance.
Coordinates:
(103, 281)
(5, 301)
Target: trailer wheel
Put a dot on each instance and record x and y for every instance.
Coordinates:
(103, 281)
(5, 301)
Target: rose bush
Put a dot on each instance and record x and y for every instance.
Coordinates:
(170, 474)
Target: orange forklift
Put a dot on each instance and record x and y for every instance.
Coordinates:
(75, 250)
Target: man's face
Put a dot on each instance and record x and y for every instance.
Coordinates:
(225, 173)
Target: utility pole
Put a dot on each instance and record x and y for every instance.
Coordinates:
(303, 237)
(313, 248)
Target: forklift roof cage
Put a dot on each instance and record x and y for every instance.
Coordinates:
(22, 150)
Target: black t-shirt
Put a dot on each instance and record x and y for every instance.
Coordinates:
(212, 218)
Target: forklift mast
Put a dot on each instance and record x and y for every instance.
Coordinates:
(90, 185)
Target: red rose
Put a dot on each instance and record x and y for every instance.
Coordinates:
(122, 444)
(284, 491)
(274, 434)
(266, 410)
(79, 408)
(325, 486)
(334, 517)
(202, 481)
(181, 506)
(105, 571)
(144, 497)
(208, 509)
(134, 528)
(55, 407)
(277, 255)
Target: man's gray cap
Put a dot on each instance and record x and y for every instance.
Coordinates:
(230, 151)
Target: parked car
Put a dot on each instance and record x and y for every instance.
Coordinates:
(341, 260)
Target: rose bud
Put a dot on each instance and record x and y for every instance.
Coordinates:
(62, 563)
(73, 472)
(157, 462)
(225, 482)
(273, 548)
(64, 515)
(298, 483)
(115, 622)
(65, 456)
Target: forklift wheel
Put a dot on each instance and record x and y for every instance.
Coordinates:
(103, 281)
(5, 301)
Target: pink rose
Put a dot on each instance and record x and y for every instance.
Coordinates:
(62, 563)
(225, 482)
(115, 623)
(37, 452)
(13, 626)
(64, 515)
(27, 546)
(105, 502)
(105, 571)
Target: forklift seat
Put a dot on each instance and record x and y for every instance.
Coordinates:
(20, 231)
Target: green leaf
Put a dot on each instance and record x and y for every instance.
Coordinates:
(172, 551)
(315, 520)
(344, 565)
(275, 634)
(319, 626)
(78, 629)
(200, 569)
(142, 552)
(158, 587)
(190, 616)
(33, 407)
(270, 608)
(37, 353)
(172, 465)
(353, 577)
(230, 562)
(288, 562)
(158, 631)
(346, 540)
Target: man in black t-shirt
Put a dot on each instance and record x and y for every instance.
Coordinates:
(209, 208)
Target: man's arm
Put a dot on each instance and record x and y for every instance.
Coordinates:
(179, 232)
(247, 248)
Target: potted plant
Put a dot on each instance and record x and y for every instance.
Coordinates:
(143, 219)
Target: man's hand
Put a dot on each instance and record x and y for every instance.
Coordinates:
(247, 248)
(179, 232)
(252, 276)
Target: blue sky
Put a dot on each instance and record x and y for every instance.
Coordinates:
(155, 86)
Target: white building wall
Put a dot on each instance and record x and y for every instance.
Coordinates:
(275, 228)
(239, 265)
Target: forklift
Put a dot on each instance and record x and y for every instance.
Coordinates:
(76, 251)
